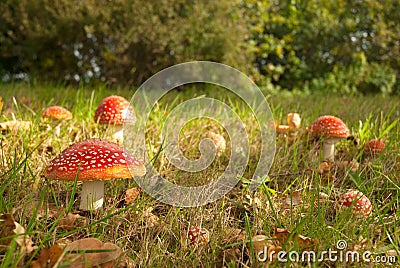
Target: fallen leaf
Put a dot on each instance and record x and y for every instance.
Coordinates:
(47, 258)
(324, 168)
(72, 221)
(91, 252)
(306, 242)
(7, 228)
(291, 200)
(11, 228)
(131, 195)
(259, 243)
(281, 235)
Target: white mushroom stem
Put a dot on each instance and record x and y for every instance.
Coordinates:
(117, 134)
(92, 196)
(328, 148)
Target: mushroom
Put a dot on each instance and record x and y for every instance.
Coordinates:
(198, 236)
(57, 113)
(374, 148)
(331, 130)
(115, 111)
(294, 120)
(93, 161)
(358, 201)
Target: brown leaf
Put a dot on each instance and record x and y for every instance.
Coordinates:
(259, 242)
(90, 252)
(11, 228)
(325, 167)
(7, 228)
(306, 242)
(72, 221)
(47, 258)
(131, 195)
(291, 200)
(281, 235)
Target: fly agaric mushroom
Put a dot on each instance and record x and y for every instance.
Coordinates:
(93, 161)
(331, 130)
(358, 201)
(115, 111)
(57, 113)
(374, 148)
(198, 236)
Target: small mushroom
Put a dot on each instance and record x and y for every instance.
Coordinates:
(374, 148)
(331, 130)
(358, 201)
(93, 161)
(198, 236)
(294, 120)
(57, 113)
(115, 111)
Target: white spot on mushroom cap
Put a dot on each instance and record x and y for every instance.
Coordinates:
(85, 156)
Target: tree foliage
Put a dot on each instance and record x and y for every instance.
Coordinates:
(342, 45)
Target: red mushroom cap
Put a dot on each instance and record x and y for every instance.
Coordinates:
(374, 147)
(361, 204)
(94, 159)
(114, 110)
(57, 113)
(329, 126)
(198, 236)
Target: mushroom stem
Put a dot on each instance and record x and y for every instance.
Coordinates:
(117, 134)
(92, 196)
(328, 148)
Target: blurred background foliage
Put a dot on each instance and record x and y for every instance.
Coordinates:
(343, 46)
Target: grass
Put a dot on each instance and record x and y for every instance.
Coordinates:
(151, 233)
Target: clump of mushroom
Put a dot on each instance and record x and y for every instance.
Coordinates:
(330, 130)
(359, 203)
(115, 111)
(93, 161)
